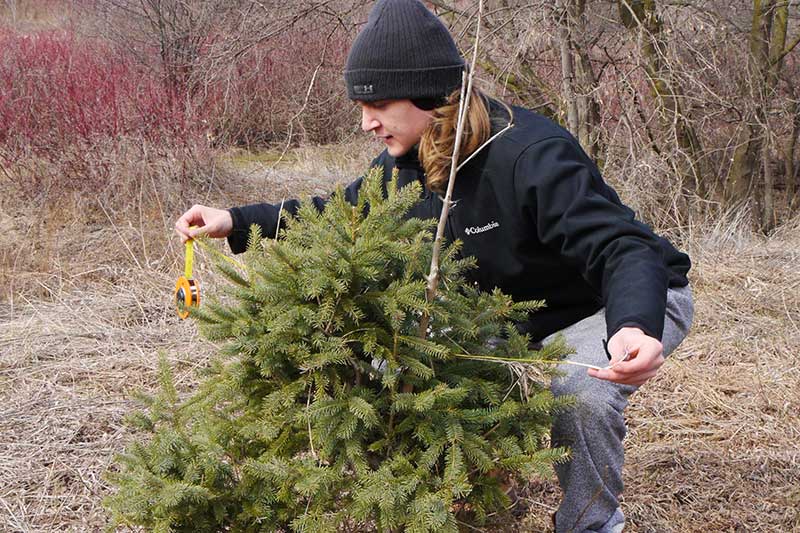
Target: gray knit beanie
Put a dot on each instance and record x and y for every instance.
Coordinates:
(404, 51)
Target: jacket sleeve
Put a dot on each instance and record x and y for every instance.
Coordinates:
(581, 218)
(266, 215)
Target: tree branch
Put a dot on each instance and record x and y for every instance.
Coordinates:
(463, 110)
(788, 49)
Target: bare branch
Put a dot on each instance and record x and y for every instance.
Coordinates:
(463, 110)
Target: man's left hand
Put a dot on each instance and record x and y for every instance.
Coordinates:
(645, 357)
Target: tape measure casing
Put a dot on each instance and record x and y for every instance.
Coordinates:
(187, 295)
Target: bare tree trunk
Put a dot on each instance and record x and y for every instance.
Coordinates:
(463, 114)
(790, 168)
(767, 50)
(588, 108)
(777, 44)
(668, 94)
(567, 68)
(768, 208)
(579, 83)
(743, 179)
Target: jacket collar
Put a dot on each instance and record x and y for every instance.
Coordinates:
(409, 160)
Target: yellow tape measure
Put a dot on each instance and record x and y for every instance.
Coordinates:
(187, 290)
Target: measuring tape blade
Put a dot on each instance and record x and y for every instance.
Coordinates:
(187, 290)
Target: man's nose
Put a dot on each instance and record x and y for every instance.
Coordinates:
(368, 121)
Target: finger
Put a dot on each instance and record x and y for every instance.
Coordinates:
(623, 379)
(640, 379)
(605, 373)
(182, 225)
(627, 355)
(187, 220)
(195, 231)
(642, 363)
(196, 213)
(620, 349)
(184, 238)
(613, 374)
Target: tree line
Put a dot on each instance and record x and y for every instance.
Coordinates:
(693, 102)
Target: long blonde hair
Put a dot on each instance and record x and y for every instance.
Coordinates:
(438, 139)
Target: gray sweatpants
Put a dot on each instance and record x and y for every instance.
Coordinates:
(595, 427)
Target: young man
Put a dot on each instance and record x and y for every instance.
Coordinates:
(540, 221)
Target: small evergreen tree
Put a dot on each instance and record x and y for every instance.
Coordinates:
(326, 409)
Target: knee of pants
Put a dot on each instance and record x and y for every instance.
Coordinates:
(594, 420)
(602, 402)
(591, 390)
(568, 385)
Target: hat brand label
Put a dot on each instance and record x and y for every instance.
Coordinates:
(363, 89)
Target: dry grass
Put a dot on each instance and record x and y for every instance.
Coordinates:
(67, 369)
(713, 442)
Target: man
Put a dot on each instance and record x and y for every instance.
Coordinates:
(540, 221)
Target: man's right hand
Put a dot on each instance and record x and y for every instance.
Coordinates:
(202, 220)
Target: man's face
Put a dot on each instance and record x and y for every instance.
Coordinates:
(399, 123)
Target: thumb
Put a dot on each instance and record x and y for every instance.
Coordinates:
(195, 231)
(622, 362)
(623, 351)
(629, 351)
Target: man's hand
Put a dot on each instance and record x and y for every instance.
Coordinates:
(645, 357)
(215, 223)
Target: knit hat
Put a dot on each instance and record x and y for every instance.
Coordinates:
(403, 51)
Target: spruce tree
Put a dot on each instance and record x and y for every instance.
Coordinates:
(326, 410)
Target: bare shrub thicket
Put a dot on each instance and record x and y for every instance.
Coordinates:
(194, 75)
(101, 147)
(264, 72)
(693, 103)
(705, 88)
(113, 111)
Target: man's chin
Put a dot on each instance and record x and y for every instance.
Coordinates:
(396, 151)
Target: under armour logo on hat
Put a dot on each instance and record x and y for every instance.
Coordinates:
(363, 89)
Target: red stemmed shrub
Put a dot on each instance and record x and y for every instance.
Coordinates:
(73, 107)
(57, 90)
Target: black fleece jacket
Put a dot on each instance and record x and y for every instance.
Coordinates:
(534, 211)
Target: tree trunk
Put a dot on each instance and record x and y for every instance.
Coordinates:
(588, 108)
(767, 45)
(668, 95)
(579, 83)
(567, 72)
(790, 169)
(777, 43)
(768, 207)
(743, 178)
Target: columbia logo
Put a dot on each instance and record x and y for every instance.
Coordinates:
(363, 89)
(475, 230)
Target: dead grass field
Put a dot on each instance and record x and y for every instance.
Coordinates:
(714, 440)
